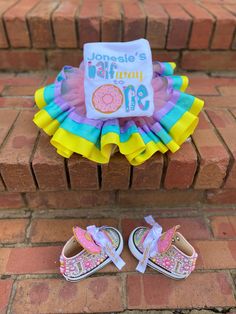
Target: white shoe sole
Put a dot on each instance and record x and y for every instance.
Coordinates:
(102, 265)
(138, 255)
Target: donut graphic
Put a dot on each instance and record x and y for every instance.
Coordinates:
(107, 98)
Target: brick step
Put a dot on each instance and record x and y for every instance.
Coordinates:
(30, 279)
(198, 35)
(33, 175)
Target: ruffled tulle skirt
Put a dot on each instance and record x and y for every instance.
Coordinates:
(62, 115)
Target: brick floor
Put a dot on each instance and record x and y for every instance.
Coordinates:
(32, 265)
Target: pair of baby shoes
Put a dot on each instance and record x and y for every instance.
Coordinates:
(89, 250)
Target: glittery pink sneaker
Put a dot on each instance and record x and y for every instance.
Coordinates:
(169, 252)
(90, 250)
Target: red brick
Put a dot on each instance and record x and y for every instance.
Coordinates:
(19, 90)
(226, 196)
(116, 174)
(157, 24)
(134, 20)
(111, 21)
(7, 118)
(160, 198)
(89, 21)
(70, 199)
(22, 60)
(181, 167)
(11, 201)
(50, 77)
(16, 24)
(200, 290)
(223, 226)
(214, 159)
(201, 85)
(48, 166)
(94, 295)
(226, 125)
(4, 5)
(191, 228)
(221, 118)
(215, 254)
(201, 28)
(60, 230)
(30, 260)
(23, 79)
(227, 90)
(179, 28)
(58, 58)
(164, 55)
(40, 24)
(64, 26)
(5, 288)
(16, 102)
(16, 153)
(83, 173)
(13, 230)
(219, 102)
(204, 123)
(209, 60)
(224, 28)
(148, 175)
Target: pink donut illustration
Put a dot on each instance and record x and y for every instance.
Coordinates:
(85, 240)
(107, 98)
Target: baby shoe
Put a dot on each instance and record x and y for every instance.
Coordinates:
(169, 252)
(89, 250)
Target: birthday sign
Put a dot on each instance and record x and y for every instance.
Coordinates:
(118, 79)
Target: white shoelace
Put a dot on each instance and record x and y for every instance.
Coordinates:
(106, 245)
(150, 243)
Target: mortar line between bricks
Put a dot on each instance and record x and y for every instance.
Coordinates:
(9, 131)
(214, 25)
(28, 229)
(76, 21)
(99, 173)
(168, 27)
(124, 294)
(232, 282)
(28, 25)
(230, 111)
(164, 171)
(12, 297)
(208, 225)
(100, 20)
(146, 19)
(131, 170)
(190, 28)
(51, 24)
(234, 33)
(231, 158)
(31, 160)
(4, 25)
(67, 173)
(198, 163)
(122, 26)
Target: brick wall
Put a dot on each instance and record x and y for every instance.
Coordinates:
(36, 34)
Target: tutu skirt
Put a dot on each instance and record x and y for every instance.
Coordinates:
(62, 115)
